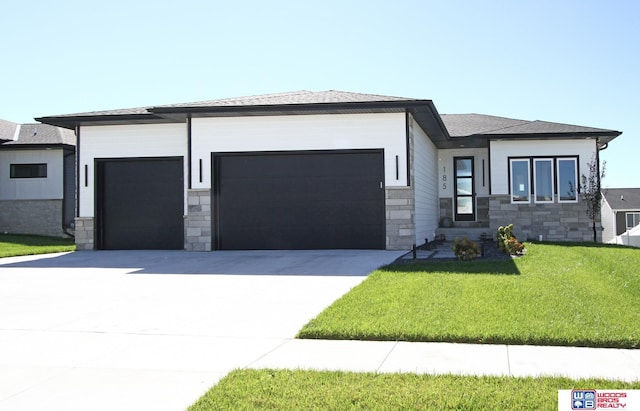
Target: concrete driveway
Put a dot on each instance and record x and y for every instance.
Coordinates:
(134, 330)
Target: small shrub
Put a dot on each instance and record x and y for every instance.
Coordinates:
(507, 242)
(466, 249)
(514, 247)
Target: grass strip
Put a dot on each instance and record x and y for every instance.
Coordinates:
(12, 245)
(323, 390)
(558, 294)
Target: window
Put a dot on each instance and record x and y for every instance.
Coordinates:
(520, 192)
(464, 188)
(633, 219)
(28, 171)
(567, 180)
(543, 177)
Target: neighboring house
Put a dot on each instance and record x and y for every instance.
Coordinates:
(620, 212)
(37, 179)
(321, 170)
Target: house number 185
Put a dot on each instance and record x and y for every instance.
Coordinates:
(444, 178)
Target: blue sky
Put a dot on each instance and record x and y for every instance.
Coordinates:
(575, 62)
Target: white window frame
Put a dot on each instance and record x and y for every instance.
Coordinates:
(528, 161)
(575, 171)
(636, 218)
(535, 180)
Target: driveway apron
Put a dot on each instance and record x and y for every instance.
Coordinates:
(132, 330)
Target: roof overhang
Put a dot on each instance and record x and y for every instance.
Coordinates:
(423, 111)
(37, 147)
(71, 122)
(603, 138)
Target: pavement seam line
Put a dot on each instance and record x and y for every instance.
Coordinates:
(387, 356)
(508, 360)
(285, 341)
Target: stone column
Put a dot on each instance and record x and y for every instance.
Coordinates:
(197, 223)
(85, 233)
(400, 210)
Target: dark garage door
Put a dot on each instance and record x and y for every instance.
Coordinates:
(301, 200)
(140, 204)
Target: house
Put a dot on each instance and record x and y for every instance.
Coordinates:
(321, 170)
(620, 212)
(37, 179)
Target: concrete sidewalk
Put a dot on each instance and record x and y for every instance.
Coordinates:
(445, 358)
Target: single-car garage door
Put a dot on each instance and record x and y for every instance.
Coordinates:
(139, 203)
(299, 200)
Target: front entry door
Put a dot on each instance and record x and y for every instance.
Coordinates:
(465, 204)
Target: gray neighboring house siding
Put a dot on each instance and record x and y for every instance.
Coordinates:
(419, 150)
(37, 205)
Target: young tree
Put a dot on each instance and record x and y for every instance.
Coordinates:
(591, 192)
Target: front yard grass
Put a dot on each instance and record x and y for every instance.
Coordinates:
(12, 245)
(557, 294)
(320, 390)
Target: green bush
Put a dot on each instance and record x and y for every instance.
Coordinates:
(466, 249)
(507, 242)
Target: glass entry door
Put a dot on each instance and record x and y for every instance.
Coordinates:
(464, 204)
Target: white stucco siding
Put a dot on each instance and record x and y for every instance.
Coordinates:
(500, 152)
(300, 133)
(425, 166)
(446, 174)
(46, 188)
(121, 141)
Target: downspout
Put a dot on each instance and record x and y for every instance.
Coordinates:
(189, 176)
(76, 131)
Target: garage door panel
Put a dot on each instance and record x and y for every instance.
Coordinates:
(300, 200)
(328, 212)
(300, 238)
(299, 187)
(140, 204)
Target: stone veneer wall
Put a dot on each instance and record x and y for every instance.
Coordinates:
(197, 222)
(400, 210)
(555, 222)
(42, 217)
(85, 233)
(482, 212)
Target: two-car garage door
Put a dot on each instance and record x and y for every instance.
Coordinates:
(278, 200)
(299, 200)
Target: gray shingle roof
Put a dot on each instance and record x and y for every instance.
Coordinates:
(41, 134)
(477, 127)
(296, 97)
(7, 130)
(291, 98)
(622, 198)
(462, 125)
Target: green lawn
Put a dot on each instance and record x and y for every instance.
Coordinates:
(16, 244)
(315, 390)
(557, 294)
